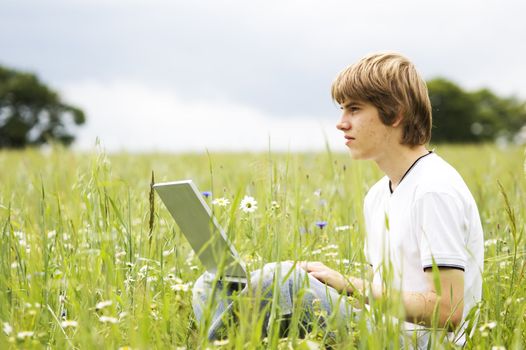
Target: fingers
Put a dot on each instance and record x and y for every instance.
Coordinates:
(310, 266)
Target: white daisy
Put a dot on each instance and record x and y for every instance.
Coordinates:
(24, 335)
(69, 323)
(221, 202)
(103, 304)
(248, 204)
(108, 319)
(7, 328)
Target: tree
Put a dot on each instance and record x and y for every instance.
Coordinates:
(32, 113)
(463, 116)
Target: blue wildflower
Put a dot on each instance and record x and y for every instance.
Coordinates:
(207, 194)
(321, 224)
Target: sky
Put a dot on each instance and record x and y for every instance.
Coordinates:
(233, 75)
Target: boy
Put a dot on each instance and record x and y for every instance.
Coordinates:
(421, 220)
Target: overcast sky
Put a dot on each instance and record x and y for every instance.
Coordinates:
(236, 75)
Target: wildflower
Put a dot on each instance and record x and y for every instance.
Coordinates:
(316, 251)
(206, 194)
(7, 328)
(321, 224)
(24, 335)
(345, 262)
(168, 252)
(486, 326)
(498, 347)
(330, 246)
(220, 342)
(181, 287)
(69, 323)
(342, 228)
(108, 319)
(317, 193)
(20, 235)
(221, 202)
(101, 305)
(331, 254)
(170, 277)
(51, 234)
(248, 204)
(119, 254)
(490, 242)
(274, 205)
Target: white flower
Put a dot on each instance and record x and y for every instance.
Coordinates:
(221, 202)
(101, 305)
(486, 326)
(342, 228)
(248, 204)
(108, 319)
(20, 235)
(181, 287)
(69, 323)
(51, 234)
(274, 205)
(490, 242)
(7, 328)
(220, 342)
(498, 347)
(168, 252)
(24, 335)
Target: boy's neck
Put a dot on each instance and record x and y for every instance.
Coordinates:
(398, 160)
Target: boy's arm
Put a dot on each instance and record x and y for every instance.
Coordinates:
(446, 298)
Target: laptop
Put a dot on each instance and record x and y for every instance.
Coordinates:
(206, 237)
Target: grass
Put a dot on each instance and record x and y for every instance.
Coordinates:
(82, 266)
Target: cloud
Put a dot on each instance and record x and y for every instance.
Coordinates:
(128, 115)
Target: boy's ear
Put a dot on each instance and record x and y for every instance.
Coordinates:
(398, 120)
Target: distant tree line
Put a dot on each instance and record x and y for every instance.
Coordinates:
(473, 116)
(32, 113)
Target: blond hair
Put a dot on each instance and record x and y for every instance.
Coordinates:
(392, 84)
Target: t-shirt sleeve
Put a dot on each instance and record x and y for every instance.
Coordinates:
(441, 230)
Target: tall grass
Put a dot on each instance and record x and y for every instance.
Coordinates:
(82, 266)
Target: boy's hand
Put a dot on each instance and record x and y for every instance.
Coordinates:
(326, 275)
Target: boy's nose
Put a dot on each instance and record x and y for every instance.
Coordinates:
(343, 124)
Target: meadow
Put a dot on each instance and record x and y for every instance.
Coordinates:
(88, 261)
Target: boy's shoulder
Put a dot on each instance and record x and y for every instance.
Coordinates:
(436, 176)
(432, 174)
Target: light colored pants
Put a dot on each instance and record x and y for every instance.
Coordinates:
(294, 286)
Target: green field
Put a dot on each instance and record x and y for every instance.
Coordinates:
(82, 267)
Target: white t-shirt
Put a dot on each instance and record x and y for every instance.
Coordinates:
(430, 215)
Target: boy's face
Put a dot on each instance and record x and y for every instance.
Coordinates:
(365, 134)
